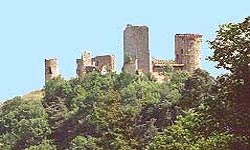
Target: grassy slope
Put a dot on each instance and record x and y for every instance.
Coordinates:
(34, 95)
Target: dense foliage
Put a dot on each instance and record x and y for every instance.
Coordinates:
(127, 112)
(22, 124)
(232, 52)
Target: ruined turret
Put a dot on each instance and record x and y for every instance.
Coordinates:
(51, 69)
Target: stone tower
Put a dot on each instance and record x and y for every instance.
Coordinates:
(136, 48)
(51, 69)
(187, 51)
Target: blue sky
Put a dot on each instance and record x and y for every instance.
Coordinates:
(31, 31)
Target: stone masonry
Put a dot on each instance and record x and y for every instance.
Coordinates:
(187, 51)
(103, 64)
(136, 46)
(84, 64)
(51, 69)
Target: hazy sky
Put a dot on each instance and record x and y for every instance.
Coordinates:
(31, 31)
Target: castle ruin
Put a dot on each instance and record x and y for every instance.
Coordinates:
(136, 56)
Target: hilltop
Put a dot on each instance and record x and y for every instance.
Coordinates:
(34, 95)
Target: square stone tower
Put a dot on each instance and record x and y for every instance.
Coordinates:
(136, 48)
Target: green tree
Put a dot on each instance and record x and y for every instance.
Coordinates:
(198, 88)
(22, 123)
(84, 143)
(232, 52)
(123, 79)
(187, 134)
(45, 145)
(173, 86)
(56, 92)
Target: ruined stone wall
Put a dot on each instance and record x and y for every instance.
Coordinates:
(80, 69)
(86, 57)
(187, 50)
(158, 65)
(104, 63)
(51, 69)
(136, 46)
(82, 63)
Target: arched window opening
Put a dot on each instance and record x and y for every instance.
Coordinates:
(50, 70)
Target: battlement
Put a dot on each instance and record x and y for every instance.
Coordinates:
(129, 26)
(161, 61)
(189, 35)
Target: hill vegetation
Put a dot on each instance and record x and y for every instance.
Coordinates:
(34, 95)
(127, 112)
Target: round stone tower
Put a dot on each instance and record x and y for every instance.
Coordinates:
(187, 51)
(51, 69)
